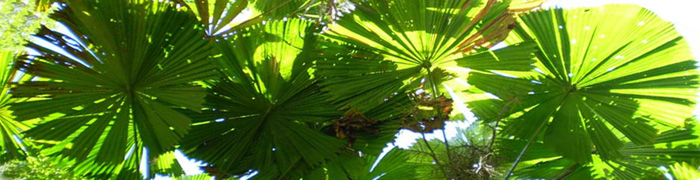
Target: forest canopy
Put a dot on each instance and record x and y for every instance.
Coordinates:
(321, 89)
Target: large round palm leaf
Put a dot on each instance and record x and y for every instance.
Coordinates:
(262, 114)
(118, 73)
(384, 47)
(602, 74)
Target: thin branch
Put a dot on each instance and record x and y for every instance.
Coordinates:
(432, 153)
(447, 145)
(417, 152)
(436, 93)
(493, 135)
(522, 152)
(504, 111)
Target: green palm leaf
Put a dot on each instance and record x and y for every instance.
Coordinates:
(225, 17)
(165, 164)
(193, 177)
(130, 168)
(394, 164)
(602, 74)
(685, 171)
(281, 8)
(319, 10)
(43, 5)
(10, 144)
(91, 168)
(120, 76)
(264, 115)
(524, 5)
(385, 47)
(217, 16)
(636, 161)
(342, 167)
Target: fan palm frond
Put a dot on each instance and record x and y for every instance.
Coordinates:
(603, 74)
(263, 114)
(117, 74)
(388, 47)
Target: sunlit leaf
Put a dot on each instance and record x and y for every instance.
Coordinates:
(635, 161)
(119, 72)
(11, 142)
(261, 115)
(603, 74)
(385, 47)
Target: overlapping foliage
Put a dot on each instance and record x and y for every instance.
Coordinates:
(295, 89)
